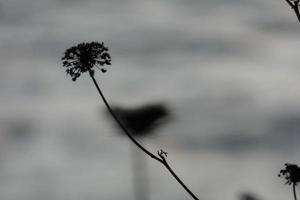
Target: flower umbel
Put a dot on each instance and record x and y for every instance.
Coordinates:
(84, 57)
(291, 173)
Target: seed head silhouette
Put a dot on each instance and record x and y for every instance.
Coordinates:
(291, 173)
(85, 57)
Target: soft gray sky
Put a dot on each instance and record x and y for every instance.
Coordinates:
(229, 70)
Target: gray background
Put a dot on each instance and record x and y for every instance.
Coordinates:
(228, 69)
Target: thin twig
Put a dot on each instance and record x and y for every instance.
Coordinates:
(294, 191)
(119, 122)
(161, 154)
(290, 3)
(295, 6)
(296, 9)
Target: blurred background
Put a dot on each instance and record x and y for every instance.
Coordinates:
(228, 70)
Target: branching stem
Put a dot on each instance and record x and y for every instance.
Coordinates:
(161, 155)
(295, 6)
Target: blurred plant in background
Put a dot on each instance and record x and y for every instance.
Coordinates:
(141, 122)
(248, 196)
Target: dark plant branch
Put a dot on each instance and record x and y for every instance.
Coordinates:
(295, 6)
(161, 158)
(294, 191)
(162, 154)
(290, 3)
(119, 122)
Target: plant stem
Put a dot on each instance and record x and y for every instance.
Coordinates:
(294, 191)
(119, 122)
(294, 5)
(166, 164)
(290, 3)
(296, 9)
(160, 158)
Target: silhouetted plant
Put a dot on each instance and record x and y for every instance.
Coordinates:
(294, 4)
(83, 58)
(291, 173)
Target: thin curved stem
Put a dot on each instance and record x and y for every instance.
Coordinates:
(120, 123)
(290, 3)
(161, 154)
(166, 164)
(294, 191)
(296, 9)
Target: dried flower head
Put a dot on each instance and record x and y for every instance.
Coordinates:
(291, 173)
(83, 57)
